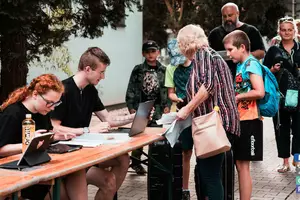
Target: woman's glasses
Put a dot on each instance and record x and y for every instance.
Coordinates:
(286, 19)
(49, 104)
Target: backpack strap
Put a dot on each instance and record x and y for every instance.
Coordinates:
(261, 66)
(264, 74)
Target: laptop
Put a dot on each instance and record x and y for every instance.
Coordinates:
(140, 120)
(139, 124)
(35, 153)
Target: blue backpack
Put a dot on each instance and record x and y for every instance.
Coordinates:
(268, 106)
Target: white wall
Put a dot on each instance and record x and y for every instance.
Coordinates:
(123, 46)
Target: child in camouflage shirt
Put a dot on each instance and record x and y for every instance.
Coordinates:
(147, 83)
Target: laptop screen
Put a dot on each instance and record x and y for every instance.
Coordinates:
(141, 118)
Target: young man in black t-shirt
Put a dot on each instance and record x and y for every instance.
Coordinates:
(230, 17)
(79, 101)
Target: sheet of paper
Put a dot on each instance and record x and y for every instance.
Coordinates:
(96, 139)
(82, 142)
(173, 132)
(167, 118)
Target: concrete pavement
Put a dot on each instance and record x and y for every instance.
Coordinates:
(267, 182)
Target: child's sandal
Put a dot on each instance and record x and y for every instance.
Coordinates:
(284, 169)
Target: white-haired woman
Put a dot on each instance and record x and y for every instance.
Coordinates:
(286, 55)
(213, 85)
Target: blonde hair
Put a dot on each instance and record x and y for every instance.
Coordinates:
(191, 38)
(290, 20)
(297, 21)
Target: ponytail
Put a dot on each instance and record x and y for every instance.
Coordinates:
(16, 96)
(41, 84)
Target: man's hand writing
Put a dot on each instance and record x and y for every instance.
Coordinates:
(100, 128)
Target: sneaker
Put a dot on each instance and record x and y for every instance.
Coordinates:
(139, 169)
(186, 195)
(284, 169)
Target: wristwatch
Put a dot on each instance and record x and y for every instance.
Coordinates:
(86, 130)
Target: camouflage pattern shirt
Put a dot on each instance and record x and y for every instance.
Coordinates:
(147, 83)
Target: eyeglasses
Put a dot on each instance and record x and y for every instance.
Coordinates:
(49, 104)
(286, 19)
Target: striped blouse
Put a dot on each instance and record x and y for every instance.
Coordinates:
(212, 71)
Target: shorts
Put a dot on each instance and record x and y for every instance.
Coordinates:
(35, 192)
(249, 146)
(186, 139)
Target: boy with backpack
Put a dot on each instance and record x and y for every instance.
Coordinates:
(249, 88)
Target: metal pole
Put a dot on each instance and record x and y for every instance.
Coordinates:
(293, 9)
(56, 189)
(14, 196)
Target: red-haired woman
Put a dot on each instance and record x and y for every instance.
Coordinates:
(38, 98)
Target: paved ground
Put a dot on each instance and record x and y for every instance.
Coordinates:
(267, 182)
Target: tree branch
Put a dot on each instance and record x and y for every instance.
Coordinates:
(180, 11)
(169, 7)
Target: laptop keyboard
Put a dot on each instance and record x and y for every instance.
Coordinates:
(120, 130)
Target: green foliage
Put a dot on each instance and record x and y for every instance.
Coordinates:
(261, 13)
(42, 22)
(60, 58)
(33, 28)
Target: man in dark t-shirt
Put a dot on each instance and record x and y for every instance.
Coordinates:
(74, 115)
(230, 17)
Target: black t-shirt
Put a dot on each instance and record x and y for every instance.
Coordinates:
(290, 61)
(77, 105)
(11, 123)
(217, 35)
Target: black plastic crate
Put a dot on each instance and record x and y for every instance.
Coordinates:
(162, 185)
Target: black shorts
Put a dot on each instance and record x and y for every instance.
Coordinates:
(186, 139)
(35, 192)
(249, 146)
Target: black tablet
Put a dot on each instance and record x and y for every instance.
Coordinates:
(34, 154)
(63, 148)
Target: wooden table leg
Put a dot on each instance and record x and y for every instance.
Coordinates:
(56, 189)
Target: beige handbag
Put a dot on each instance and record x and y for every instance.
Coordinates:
(209, 136)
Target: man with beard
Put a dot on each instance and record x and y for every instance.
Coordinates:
(230, 18)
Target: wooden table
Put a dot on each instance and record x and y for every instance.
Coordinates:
(12, 181)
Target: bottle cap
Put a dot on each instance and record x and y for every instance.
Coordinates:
(28, 116)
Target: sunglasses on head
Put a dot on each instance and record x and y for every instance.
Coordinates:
(286, 19)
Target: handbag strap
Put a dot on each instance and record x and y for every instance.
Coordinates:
(216, 107)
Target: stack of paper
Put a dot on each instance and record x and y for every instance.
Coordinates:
(96, 139)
